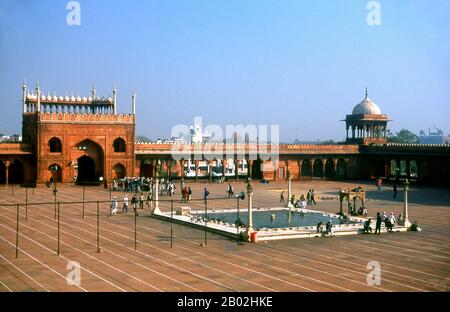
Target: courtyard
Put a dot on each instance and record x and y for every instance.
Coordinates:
(195, 261)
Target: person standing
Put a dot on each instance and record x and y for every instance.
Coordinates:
(378, 224)
(114, 205)
(185, 195)
(395, 190)
(125, 204)
(149, 198)
(230, 190)
(189, 194)
(380, 185)
(205, 194)
(312, 197)
(134, 201)
(141, 201)
(308, 197)
(282, 197)
(125, 184)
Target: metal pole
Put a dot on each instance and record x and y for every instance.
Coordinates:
(135, 227)
(26, 204)
(17, 232)
(58, 234)
(110, 190)
(237, 221)
(54, 192)
(206, 220)
(83, 200)
(98, 227)
(171, 223)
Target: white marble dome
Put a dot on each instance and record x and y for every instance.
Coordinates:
(366, 107)
(61, 99)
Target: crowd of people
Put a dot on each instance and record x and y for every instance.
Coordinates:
(303, 201)
(389, 221)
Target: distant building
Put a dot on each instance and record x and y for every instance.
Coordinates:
(436, 137)
(198, 136)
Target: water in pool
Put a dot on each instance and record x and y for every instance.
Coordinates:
(277, 218)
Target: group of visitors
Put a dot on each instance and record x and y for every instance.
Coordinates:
(303, 201)
(328, 228)
(362, 211)
(388, 220)
(186, 194)
(131, 184)
(135, 201)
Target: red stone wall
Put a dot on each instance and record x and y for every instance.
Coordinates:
(73, 129)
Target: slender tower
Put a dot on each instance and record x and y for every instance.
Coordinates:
(38, 93)
(133, 101)
(115, 99)
(24, 89)
(94, 92)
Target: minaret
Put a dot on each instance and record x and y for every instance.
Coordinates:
(38, 93)
(24, 89)
(133, 101)
(115, 99)
(94, 92)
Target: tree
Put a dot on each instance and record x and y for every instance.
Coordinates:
(404, 136)
(142, 139)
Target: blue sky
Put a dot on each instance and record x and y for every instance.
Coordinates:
(300, 64)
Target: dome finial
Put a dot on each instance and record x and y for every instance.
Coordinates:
(367, 94)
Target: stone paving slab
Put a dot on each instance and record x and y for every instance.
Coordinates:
(418, 261)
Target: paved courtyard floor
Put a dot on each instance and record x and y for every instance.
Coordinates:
(412, 261)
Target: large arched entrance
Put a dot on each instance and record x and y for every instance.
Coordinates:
(318, 168)
(329, 168)
(306, 168)
(341, 169)
(256, 169)
(2, 172)
(15, 174)
(90, 162)
(86, 170)
(381, 168)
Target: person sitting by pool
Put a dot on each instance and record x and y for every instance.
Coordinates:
(400, 220)
(329, 228)
(293, 200)
(392, 218)
(367, 227)
(320, 227)
(388, 225)
(303, 202)
(350, 210)
(360, 211)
